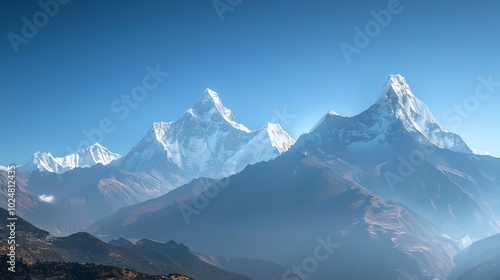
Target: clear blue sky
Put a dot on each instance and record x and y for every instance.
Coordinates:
(264, 56)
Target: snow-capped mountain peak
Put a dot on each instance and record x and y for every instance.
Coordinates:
(396, 113)
(330, 114)
(279, 138)
(398, 100)
(397, 88)
(84, 158)
(96, 153)
(333, 113)
(206, 141)
(210, 106)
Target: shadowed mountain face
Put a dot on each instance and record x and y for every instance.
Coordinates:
(253, 268)
(38, 245)
(458, 192)
(481, 260)
(178, 256)
(295, 204)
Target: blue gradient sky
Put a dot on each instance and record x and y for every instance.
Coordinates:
(264, 56)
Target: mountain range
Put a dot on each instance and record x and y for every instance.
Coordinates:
(206, 141)
(75, 190)
(390, 181)
(85, 158)
(389, 178)
(400, 152)
(283, 214)
(171, 258)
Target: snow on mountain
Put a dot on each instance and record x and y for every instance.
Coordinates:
(279, 138)
(83, 158)
(4, 168)
(210, 97)
(483, 153)
(206, 141)
(465, 242)
(398, 99)
(396, 111)
(387, 143)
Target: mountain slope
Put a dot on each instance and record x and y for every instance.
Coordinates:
(38, 245)
(481, 260)
(253, 268)
(176, 255)
(205, 142)
(84, 158)
(341, 178)
(281, 214)
(67, 203)
(400, 152)
(72, 270)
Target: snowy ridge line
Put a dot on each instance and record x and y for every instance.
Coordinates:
(84, 158)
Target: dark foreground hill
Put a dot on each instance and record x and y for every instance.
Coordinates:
(76, 271)
(37, 247)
